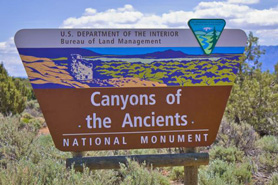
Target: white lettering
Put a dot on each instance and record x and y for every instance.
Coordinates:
(93, 99)
(127, 121)
(75, 142)
(65, 142)
(144, 140)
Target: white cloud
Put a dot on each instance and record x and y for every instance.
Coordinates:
(10, 58)
(89, 11)
(244, 1)
(8, 46)
(121, 17)
(239, 16)
(258, 19)
(220, 9)
(237, 13)
(269, 36)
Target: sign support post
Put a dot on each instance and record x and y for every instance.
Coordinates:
(190, 172)
(78, 154)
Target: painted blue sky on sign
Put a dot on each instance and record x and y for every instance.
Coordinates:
(187, 50)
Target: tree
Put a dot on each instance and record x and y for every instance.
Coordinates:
(213, 39)
(254, 98)
(252, 54)
(255, 101)
(253, 51)
(12, 95)
(276, 71)
(24, 87)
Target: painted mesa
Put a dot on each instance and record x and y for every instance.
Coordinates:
(155, 89)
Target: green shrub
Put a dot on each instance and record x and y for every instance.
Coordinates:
(26, 158)
(230, 154)
(37, 122)
(243, 172)
(15, 139)
(33, 108)
(50, 172)
(254, 99)
(43, 148)
(274, 179)
(177, 173)
(220, 172)
(268, 161)
(268, 143)
(29, 159)
(207, 179)
(26, 117)
(134, 174)
(242, 136)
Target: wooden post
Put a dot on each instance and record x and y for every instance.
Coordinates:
(78, 154)
(190, 172)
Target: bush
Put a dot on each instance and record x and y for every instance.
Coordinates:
(268, 143)
(274, 179)
(220, 172)
(135, 174)
(37, 122)
(254, 99)
(52, 172)
(177, 173)
(43, 148)
(26, 158)
(26, 117)
(242, 136)
(268, 162)
(33, 108)
(15, 139)
(29, 159)
(230, 154)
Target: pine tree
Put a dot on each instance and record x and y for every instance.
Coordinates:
(213, 39)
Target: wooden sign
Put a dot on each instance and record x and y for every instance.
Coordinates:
(107, 89)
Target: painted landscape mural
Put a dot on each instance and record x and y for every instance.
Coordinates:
(84, 68)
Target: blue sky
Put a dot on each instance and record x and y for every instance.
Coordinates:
(18, 14)
(259, 16)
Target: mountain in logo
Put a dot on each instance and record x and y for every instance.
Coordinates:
(207, 32)
(159, 54)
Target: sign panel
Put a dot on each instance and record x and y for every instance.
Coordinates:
(104, 89)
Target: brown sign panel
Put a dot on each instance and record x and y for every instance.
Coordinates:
(128, 89)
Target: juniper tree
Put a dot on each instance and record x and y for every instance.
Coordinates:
(12, 95)
(254, 98)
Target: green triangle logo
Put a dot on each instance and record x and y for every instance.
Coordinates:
(207, 32)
